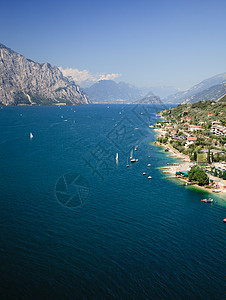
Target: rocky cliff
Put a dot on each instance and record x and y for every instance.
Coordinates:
(23, 81)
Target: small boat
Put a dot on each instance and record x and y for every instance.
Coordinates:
(149, 156)
(137, 159)
(207, 200)
(149, 177)
(127, 166)
(149, 165)
(31, 135)
(116, 158)
(133, 160)
(224, 220)
(144, 173)
(136, 147)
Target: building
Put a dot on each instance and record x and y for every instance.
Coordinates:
(194, 127)
(173, 131)
(190, 140)
(218, 130)
(216, 122)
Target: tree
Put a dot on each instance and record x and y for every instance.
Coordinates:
(220, 174)
(224, 175)
(215, 173)
(217, 157)
(212, 157)
(208, 156)
(195, 156)
(165, 140)
(191, 174)
(198, 175)
(202, 178)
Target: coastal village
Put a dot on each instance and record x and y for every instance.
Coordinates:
(196, 133)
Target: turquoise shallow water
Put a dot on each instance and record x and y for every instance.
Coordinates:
(112, 234)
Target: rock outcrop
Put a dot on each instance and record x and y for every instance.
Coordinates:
(23, 81)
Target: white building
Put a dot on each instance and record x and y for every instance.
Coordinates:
(218, 130)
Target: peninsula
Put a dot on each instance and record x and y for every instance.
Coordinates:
(196, 133)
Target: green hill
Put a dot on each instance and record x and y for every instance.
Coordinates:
(206, 111)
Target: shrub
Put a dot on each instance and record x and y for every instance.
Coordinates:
(196, 174)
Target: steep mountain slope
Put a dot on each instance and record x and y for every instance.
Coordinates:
(108, 91)
(23, 81)
(186, 96)
(222, 99)
(213, 93)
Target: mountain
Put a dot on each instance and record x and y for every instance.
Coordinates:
(195, 94)
(164, 91)
(23, 81)
(108, 91)
(222, 99)
(213, 93)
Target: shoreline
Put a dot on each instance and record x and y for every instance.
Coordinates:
(183, 166)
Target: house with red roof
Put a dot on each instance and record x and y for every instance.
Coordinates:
(194, 127)
(190, 140)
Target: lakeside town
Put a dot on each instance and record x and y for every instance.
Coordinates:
(196, 133)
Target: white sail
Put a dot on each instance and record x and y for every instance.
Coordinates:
(116, 158)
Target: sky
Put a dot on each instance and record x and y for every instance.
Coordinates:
(145, 43)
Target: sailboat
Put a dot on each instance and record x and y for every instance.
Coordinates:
(116, 158)
(31, 135)
(127, 163)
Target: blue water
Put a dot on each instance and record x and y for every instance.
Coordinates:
(124, 237)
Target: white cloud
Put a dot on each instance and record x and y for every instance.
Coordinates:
(109, 76)
(84, 75)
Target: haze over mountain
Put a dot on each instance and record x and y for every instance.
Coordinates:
(164, 91)
(23, 81)
(209, 89)
(213, 93)
(108, 91)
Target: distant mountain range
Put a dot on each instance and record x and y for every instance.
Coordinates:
(210, 89)
(25, 82)
(108, 91)
(213, 93)
(164, 91)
